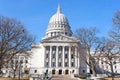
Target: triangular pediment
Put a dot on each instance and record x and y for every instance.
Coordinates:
(60, 38)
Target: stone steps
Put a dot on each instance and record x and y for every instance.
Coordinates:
(62, 77)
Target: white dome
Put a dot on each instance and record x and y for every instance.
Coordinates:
(58, 17)
(58, 24)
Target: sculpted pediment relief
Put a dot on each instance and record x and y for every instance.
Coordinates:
(60, 38)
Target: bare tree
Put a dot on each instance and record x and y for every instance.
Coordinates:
(14, 39)
(110, 55)
(89, 40)
(111, 47)
(14, 67)
(115, 31)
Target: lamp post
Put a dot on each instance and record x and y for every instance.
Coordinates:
(20, 62)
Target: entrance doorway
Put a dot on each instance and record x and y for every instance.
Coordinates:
(66, 71)
(53, 71)
(60, 72)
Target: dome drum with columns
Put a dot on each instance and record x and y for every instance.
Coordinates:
(58, 52)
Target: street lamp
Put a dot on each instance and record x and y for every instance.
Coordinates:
(20, 62)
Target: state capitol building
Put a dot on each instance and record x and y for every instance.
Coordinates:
(58, 51)
(57, 54)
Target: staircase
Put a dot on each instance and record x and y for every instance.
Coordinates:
(62, 77)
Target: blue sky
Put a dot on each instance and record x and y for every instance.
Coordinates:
(35, 14)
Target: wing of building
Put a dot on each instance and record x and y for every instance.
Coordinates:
(58, 51)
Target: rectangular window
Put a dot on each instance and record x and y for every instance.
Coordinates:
(35, 71)
(59, 56)
(72, 64)
(66, 64)
(72, 49)
(53, 64)
(53, 48)
(66, 56)
(47, 48)
(102, 62)
(66, 49)
(59, 64)
(47, 55)
(26, 61)
(60, 48)
(47, 64)
(72, 56)
(53, 56)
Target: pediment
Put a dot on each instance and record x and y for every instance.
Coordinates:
(60, 38)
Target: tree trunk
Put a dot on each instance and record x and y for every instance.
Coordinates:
(92, 63)
(112, 72)
(93, 69)
(14, 75)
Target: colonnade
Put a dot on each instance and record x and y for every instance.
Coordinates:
(61, 56)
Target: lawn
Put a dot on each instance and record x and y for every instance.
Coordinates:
(111, 79)
(13, 79)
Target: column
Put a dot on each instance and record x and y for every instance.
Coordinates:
(75, 57)
(50, 56)
(56, 56)
(63, 56)
(78, 58)
(69, 56)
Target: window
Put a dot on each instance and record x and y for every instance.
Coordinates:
(66, 56)
(73, 71)
(58, 32)
(66, 48)
(46, 65)
(53, 64)
(72, 49)
(53, 48)
(72, 56)
(26, 61)
(115, 67)
(53, 56)
(66, 64)
(35, 71)
(26, 72)
(59, 56)
(59, 64)
(51, 34)
(114, 62)
(47, 48)
(60, 48)
(83, 71)
(72, 64)
(47, 55)
(21, 61)
(65, 33)
(102, 62)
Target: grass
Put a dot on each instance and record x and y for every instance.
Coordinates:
(81, 77)
(13, 79)
(111, 79)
